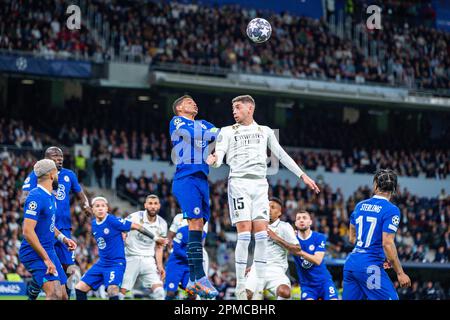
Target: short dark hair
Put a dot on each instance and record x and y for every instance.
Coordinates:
(304, 212)
(52, 149)
(386, 180)
(177, 102)
(151, 196)
(244, 99)
(277, 200)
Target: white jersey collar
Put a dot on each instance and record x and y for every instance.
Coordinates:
(45, 190)
(104, 219)
(299, 235)
(380, 197)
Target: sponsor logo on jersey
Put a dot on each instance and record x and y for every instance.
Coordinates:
(101, 243)
(306, 264)
(61, 192)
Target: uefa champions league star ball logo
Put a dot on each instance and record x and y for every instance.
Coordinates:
(32, 205)
(395, 220)
(259, 30)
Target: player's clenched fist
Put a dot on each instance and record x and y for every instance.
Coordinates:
(211, 159)
(71, 245)
(404, 280)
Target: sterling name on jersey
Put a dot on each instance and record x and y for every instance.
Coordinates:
(371, 218)
(246, 150)
(67, 183)
(276, 254)
(138, 244)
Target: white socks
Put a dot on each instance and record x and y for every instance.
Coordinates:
(260, 259)
(241, 256)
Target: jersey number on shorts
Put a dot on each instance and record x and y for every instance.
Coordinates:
(112, 275)
(238, 203)
(359, 223)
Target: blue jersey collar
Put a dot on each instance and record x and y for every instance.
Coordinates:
(45, 190)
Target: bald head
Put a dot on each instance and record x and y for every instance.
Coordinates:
(55, 154)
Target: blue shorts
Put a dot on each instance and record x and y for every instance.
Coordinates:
(177, 272)
(38, 270)
(106, 274)
(373, 284)
(192, 193)
(325, 291)
(66, 257)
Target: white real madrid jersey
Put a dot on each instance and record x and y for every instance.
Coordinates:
(138, 244)
(276, 254)
(246, 147)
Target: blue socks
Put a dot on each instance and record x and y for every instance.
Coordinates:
(195, 255)
(81, 295)
(33, 290)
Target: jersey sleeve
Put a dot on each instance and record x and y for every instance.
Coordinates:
(289, 234)
(222, 144)
(282, 155)
(164, 229)
(211, 131)
(320, 245)
(179, 128)
(32, 207)
(75, 185)
(391, 220)
(175, 224)
(352, 218)
(120, 224)
(30, 182)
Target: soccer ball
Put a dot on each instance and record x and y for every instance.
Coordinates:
(259, 30)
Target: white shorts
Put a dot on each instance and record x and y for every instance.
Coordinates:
(275, 276)
(143, 268)
(248, 199)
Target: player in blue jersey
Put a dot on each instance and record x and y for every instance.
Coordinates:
(67, 183)
(373, 225)
(110, 268)
(314, 278)
(177, 267)
(37, 250)
(190, 139)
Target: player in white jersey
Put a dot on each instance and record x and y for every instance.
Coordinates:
(276, 280)
(245, 146)
(144, 255)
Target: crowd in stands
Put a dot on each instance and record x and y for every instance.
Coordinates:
(422, 237)
(191, 34)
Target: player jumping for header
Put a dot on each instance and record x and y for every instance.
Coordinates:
(245, 145)
(373, 225)
(190, 139)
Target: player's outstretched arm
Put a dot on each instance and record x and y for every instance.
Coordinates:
(140, 228)
(390, 251)
(292, 248)
(85, 203)
(289, 163)
(71, 245)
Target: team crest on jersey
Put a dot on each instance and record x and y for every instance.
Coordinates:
(395, 220)
(27, 180)
(312, 247)
(203, 126)
(106, 231)
(61, 193)
(32, 205)
(66, 179)
(171, 285)
(101, 243)
(304, 294)
(179, 235)
(197, 210)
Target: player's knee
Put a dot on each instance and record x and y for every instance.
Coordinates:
(249, 295)
(284, 291)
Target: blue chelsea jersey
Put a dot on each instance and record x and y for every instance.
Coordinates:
(371, 218)
(190, 139)
(310, 274)
(67, 183)
(108, 235)
(40, 206)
